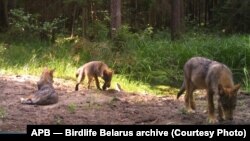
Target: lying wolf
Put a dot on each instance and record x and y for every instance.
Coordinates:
(216, 78)
(46, 93)
(94, 69)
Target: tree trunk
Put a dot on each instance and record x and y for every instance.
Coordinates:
(73, 20)
(175, 20)
(115, 16)
(4, 14)
(135, 14)
(199, 11)
(84, 21)
(195, 10)
(210, 11)
(191, 9)
(206, 11)
(182, 15)
(152, 15)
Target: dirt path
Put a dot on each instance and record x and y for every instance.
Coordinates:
(96, 107)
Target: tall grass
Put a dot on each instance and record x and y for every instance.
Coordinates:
(160, 61)
(246, 80)
(142, 62)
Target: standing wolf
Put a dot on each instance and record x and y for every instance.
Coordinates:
(46, 93)
(94, 69)
(216, 78)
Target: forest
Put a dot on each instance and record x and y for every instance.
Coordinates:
(145, 42)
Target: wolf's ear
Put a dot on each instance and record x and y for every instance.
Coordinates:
(53, 70)
(45, 68)
(236, 88)
(111, 71)
(108, 72)
(223, 90)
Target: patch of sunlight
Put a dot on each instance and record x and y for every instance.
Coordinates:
(140, 87)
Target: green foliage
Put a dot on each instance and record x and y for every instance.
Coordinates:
(97, 31)
(160, 61)
(227, 15)
(142, 62)
(246, 79)
(22, 22)
(2, 113)
(234, 15)
(27, 25)
(122, 37)
(49, 27)
(72, 108)
(58, 120)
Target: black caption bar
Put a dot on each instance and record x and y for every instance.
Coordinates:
(169, 131)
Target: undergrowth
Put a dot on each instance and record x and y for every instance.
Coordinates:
(143, 62)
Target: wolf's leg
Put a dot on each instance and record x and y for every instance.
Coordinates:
(25, 101)
(97, 83)
(211, 115)
(192, 102)
(45, 98)
(80, 78)
(220, 111)
(37, 97)
(189, 96)
(89, 81)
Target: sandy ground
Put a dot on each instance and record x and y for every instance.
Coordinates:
(97, 107)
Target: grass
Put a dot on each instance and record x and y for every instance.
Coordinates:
(140, 87)
(143, 63)
(246, 80)
(58, 120)
(2, 113)
(72, 108)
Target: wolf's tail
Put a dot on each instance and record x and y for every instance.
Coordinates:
(182, 89)
(77, 73)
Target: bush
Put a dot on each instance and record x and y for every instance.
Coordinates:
(27, 25)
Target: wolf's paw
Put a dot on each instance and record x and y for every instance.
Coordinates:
(212, 120)
(190, 111)
(220, 119)
(22, 100)
(25, 101)
(205, 111)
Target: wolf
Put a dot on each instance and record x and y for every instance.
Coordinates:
(46, 93)
(94, 69)
(217, 79)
